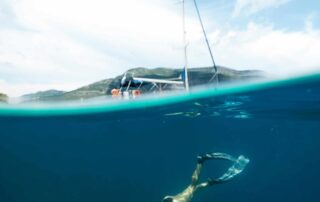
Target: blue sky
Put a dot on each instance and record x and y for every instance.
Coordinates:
(64, 44)
(290, 14)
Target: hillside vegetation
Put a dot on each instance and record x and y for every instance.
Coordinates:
(3, 98)
(197, 77)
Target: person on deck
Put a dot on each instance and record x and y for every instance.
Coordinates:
(238, 166)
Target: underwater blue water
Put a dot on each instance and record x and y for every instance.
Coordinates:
(145, 153)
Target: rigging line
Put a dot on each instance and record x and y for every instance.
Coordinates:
(207, 41)
(186, 79)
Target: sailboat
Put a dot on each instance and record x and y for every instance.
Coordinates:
(183, 80)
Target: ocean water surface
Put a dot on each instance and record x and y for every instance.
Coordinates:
(140, 151)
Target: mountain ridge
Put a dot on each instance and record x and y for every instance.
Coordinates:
(197, 76)
(3, 98)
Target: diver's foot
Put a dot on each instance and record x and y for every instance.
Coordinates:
(213, 182)
(202, 158)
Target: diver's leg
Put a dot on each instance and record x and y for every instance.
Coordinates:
(196, 174)
(210, 182)
(217, 155)
(238, 166)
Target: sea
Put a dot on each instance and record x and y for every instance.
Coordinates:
(142, 150)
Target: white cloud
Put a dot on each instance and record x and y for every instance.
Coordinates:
(67, 44)
(52, 55)
(249, 7)
(278, 52)
(70, 41)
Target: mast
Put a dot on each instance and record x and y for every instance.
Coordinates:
(208, 44)
(186, 79)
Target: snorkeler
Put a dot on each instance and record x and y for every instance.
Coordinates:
(238, 166)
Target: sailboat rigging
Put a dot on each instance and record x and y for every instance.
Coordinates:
(215, 75)
(184, 77)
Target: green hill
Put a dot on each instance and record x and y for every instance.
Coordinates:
(197, 76)
(42, 95)
(3, 98)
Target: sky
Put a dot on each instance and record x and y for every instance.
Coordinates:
(65, 44)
